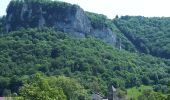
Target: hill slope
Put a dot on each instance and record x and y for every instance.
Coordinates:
(149, 35)
(60, 39)
(91, 61)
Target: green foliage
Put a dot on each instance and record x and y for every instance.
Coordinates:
(2, 21)
(160, 88)
(149, 35)
(145, 93)
(100, 21)
(150, 95)
(135, 92)
(122, 40)
(90, 61)
(71, 88)
(97, 20)
(120, 93)
(38, 88)
(3, 84)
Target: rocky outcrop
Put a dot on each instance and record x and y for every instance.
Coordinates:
(64, 17)
(105, 34)
(75, 22)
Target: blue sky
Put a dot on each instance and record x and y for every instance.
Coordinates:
(111, 8)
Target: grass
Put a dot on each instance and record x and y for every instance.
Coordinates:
(133, 93)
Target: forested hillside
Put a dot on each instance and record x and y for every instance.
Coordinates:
(100, 21)
(149, 35)
(56, 60)
(90, 61)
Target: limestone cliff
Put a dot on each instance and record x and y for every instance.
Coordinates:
(62, 16)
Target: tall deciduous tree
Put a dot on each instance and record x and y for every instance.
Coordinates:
(38, 88)
(72, 89)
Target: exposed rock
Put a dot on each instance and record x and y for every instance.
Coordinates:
(105, 34)
(23, 10)
(8, 20)
(29, 13)
(75, 22)
(64, 17)
(41, 22)
(7, 27)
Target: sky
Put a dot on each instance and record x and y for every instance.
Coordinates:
(111, 8)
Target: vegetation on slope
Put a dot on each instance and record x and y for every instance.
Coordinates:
(149, 35)
(73, 68)
(93, 63)
(40, 87)
(1, 24)
(135, 92)
(100, 21)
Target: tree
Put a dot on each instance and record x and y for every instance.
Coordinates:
(71, 88)
(150, 95)
(38, 88)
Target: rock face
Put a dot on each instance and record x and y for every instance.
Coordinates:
(104, 34)
(75, 22)
(62, 16)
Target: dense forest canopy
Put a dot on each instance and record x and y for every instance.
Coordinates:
(91, 61)
(34, 59)
(149, 35)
